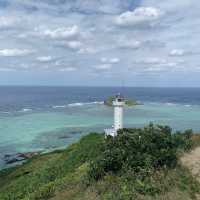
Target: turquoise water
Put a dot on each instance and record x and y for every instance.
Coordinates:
(34, 131)
(48, 124)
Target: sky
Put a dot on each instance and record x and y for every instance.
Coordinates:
(100, 42)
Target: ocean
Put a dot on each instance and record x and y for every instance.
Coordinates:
(47, 118)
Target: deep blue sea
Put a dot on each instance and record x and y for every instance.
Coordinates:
(47, 118)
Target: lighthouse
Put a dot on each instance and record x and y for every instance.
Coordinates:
(118, 105)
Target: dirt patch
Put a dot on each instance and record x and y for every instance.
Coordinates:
(192, 162)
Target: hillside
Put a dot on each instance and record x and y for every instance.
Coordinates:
(96, 168)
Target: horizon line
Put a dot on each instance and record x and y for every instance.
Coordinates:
(103, 86)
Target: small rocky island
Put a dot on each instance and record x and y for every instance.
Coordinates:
(128, 102)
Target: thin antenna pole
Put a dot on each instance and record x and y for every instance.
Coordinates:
(122, 85)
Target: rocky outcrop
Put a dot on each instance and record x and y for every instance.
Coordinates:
(19, 157)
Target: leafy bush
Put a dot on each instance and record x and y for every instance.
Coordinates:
(184, 140)
(140, 150)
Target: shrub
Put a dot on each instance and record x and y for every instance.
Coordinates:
(184, 140)
(140, 150)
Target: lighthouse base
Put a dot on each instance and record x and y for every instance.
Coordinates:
(110, 132)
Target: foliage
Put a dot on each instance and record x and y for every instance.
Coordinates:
(141, 153)
(184, 140)
(169, 184)
(40, 176)
(139, 164)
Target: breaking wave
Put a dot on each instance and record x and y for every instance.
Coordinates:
(85, 104)
(26, 110)
(188, 105)
(62, 106)
(170, 104)
(78, 104)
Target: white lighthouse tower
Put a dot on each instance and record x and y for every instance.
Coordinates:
(118, 104)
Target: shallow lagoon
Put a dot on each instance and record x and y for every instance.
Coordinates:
(33, 131)
(34, 119)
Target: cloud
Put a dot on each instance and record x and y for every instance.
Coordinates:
(171, 64)
(78, 6)
(75, 45)
(114, 60)
(129, 43)
(159, 68)
(8, 21)
(88, 50)
(59, 33)
(44, 58)
(103, 6)
(156, 65)
(177, 52)
(110, 60)
(68, 69)
(100, 36)
(159, 65)
(152, 61)
(141, 15)
(154, 69)
(14, 52)
(103, 67)
(4, 69)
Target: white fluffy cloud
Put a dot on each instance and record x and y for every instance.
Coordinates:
(103, 67)
(139, 16)
(44, 58)
(59, 33)
(110, 60)
(6, 22)
(68, 69)
(100, 36)
(15, 52)
(177, 52)
(75, 45)
(154, 69)
(87, 50)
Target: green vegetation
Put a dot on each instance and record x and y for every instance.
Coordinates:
(139, 164)
(140, 150)
(128, 102)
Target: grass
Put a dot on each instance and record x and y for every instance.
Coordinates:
(63, 174)
(175, 184)
(42, 175)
